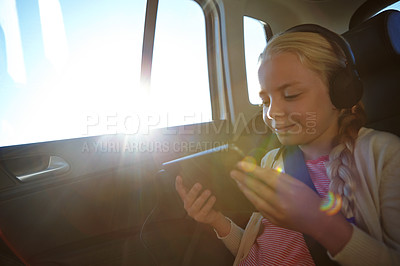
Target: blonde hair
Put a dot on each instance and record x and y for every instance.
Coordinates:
(326, 59)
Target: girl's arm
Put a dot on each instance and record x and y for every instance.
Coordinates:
(230, 238)
(222, 226)
(363, 249)
(379, 161)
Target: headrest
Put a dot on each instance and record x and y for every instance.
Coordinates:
(376, 42)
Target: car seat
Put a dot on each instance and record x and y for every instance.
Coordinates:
(376, 47)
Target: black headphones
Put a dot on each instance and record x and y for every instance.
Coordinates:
(345, 87)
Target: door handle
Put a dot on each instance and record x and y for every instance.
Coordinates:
(57, 166)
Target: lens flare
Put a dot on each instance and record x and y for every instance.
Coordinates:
(250, 165)
(328, 202)
(337, 207)
(331, 204)
(279, 169)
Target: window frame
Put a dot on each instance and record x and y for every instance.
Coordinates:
(216, 66)
(149, 30)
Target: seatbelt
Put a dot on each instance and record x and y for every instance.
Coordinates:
(293, 160)
(294, 163)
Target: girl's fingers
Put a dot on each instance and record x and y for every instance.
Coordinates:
(266, 175)
(207, 208)
(251, 182)
(262, 190)
(192, 195)
(198, 203)
(182, 190)
(262, 205)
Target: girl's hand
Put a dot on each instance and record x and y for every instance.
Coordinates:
(289, 203)
(198, 206)
(284, 200)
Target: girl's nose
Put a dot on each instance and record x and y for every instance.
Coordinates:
(274, 111)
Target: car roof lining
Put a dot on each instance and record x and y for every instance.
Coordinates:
(334, 15)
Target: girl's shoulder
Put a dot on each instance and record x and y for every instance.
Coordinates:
(379, 145)
(377, 138)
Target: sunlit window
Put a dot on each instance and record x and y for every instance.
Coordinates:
(12, 61)
(53, 31)
(179, 83)
(71, 68)
(254, 43)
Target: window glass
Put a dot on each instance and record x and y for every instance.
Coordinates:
(179, 81)
(71, 68)
(67, 65)
(254, 43)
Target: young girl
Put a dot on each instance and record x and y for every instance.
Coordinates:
(355, 167)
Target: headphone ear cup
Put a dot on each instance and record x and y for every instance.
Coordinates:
(345, 91)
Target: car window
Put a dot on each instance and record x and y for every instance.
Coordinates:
(254, 43)
(71, 68)
(179, 80)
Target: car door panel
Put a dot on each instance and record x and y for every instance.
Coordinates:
(100, 204)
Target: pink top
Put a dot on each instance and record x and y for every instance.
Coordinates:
(281, 246)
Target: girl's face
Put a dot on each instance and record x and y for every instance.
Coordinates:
(296, 102)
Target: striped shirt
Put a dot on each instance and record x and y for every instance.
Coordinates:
(281, 246)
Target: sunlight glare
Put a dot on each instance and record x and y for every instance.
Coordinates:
(15, 58)
(53, 31)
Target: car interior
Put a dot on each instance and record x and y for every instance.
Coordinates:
(66, 202)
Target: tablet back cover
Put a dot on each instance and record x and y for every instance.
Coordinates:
(212, 169)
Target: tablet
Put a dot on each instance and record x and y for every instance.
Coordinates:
(212, 168)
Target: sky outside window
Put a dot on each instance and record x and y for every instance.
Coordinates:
(254, 43)
(71, 68)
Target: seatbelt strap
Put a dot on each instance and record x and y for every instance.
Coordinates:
(294, 163)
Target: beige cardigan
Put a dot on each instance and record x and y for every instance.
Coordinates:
(376, 238)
